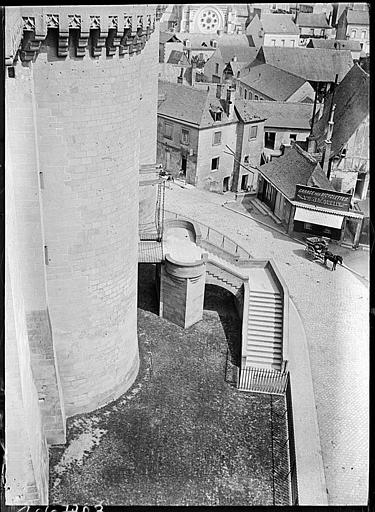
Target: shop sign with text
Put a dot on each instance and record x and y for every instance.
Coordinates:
(321, 197)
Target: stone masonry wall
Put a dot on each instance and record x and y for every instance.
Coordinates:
(88, 115)
(206, 178)
(148, 66)
(27, 452)
(23, 172)
(173, 298)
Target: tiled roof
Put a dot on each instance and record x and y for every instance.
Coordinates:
(312, 64)
(295, 167)
(312, 20)
(232, 39)
(178, 57)
(274, 82)
(278, 24)
(196, 40)
(166, 37)
(241, 53)
(246, 113)
(357, 17)
(190, 104)
(335, 44)
(280, 114)
(235, 67)
(352, 106)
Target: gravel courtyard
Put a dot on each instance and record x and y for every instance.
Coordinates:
(183, 434)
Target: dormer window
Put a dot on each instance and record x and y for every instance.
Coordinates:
(216, 113)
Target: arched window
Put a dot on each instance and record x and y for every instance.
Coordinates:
(354, 34)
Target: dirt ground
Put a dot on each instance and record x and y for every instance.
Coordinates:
(183, 434)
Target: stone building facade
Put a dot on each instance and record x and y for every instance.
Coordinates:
(195, 130)
(81, 94)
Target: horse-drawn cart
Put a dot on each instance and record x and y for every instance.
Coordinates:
(317, 247)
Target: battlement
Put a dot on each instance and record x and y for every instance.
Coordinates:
(120, 29)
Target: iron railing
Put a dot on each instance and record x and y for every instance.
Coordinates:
(261, 380)
(292, 446)
(281, 489)
(223, 245)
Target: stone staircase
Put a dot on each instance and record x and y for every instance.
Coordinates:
(264, 330)
(261, 298)
(226, 274)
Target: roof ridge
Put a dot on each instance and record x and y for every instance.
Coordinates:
(279, 102)
(288, 72)
(304, 153)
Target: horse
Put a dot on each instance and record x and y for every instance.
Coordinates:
(335, 258)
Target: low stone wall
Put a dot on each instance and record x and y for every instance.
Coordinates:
(310, 470)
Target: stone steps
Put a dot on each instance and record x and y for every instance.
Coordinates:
(265, 329)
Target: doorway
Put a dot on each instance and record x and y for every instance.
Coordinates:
(244, 181)
(183, 166)
(226, 184)
(269, 140)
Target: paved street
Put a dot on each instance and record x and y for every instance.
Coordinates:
(334, 308)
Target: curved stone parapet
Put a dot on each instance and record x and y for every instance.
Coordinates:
(182, 289)
(184, 269)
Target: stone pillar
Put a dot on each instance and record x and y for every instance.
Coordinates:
(343, 228)
(357, 234)
(182, 291)
(291, 219)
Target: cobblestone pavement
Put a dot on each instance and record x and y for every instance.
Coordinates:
(182, 435)
(334, 307)
(356, 260)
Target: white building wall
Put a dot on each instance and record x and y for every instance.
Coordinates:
(213, 180)
(360, 33)
(291, 40)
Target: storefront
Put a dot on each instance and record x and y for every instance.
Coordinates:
(296, 190)
(320, 212)
(314, 211)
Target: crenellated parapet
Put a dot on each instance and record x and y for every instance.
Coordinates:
(119, 29)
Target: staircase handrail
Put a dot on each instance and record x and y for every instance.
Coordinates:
(251, 263)
(224, 238)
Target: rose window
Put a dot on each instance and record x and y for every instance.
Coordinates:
(208, 21)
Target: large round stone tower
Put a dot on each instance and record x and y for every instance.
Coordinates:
(81, 101)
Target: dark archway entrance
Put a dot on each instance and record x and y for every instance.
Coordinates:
(221, 301)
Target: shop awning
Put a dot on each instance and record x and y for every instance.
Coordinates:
(319, 218)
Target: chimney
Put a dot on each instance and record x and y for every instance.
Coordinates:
(328, 142)
(230, 101)
(234, 58)
(321, 109)
(311, 144)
